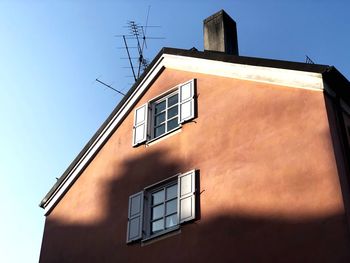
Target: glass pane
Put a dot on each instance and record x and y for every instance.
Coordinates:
(159, 119)
(171, 221)
(158, 225)
(171, 207)
(172, 112)
(158, 197)
(173, 100)
(157, 211)
(159, 130)
(171, 192)
(160, 107)
(172, 124)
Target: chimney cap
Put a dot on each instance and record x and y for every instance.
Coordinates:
(219, 13)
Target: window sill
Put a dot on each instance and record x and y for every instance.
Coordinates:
(161, 235)
(165, 135)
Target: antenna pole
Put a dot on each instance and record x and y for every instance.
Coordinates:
(137, 33)
(141, 59)
(121, 93)
(127, 50)
(144, 31)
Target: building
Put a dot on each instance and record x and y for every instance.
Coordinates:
(211, 156)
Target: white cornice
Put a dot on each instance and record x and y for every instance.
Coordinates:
(276, 76)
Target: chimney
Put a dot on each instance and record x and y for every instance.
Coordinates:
(220, 33)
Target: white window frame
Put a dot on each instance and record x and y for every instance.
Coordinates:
(153, 115)
(147, 226)
(187, 198)
(182, 103)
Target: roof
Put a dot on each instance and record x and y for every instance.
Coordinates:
(328, 72)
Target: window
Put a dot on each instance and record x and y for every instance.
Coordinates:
(164, 114)
(161, 208)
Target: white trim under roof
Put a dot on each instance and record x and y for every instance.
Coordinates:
(276, 76)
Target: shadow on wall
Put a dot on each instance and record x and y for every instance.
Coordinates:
(225, 237)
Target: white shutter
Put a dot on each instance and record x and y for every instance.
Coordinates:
(186, 196)
(186, 101)
(135, 217)
(140, 124)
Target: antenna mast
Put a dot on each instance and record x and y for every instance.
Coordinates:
(132, 67)
(138, 33)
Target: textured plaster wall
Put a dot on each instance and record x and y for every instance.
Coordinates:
(268, 180)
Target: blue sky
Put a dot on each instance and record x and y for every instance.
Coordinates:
(52, 51)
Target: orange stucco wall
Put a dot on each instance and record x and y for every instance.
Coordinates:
(269, 186)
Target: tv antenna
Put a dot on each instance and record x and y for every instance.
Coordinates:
(137, 33)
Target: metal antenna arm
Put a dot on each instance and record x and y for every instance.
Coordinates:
(121, 93)
(127, 50)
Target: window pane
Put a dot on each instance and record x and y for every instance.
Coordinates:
(172, 124)
(159, 119)
(171, 192)
(159, 130)
(157, 211)
(160, 107)
(172, 112)
(171, 221)
(171, 207)
(158, 197)
(173, 100)
(158, 225)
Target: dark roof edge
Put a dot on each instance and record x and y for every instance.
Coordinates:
(211, 55)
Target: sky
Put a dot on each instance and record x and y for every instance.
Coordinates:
(51, 52)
